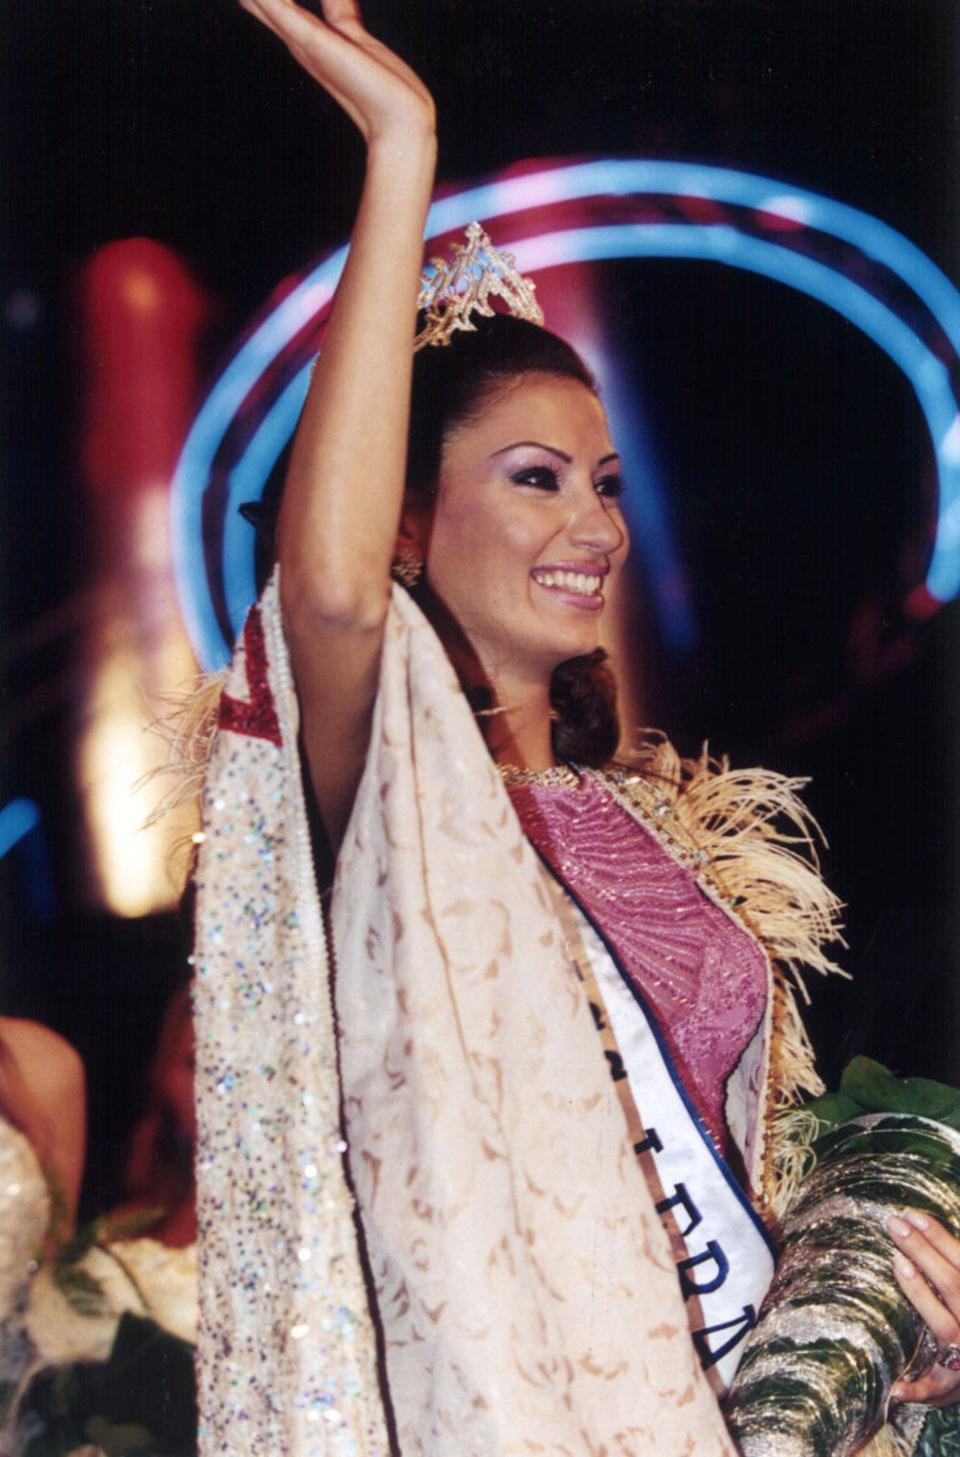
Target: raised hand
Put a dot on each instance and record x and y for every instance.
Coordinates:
(378, 91)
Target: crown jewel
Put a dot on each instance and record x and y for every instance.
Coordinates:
(451, 292)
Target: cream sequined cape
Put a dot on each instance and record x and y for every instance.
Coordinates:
(526, 1296)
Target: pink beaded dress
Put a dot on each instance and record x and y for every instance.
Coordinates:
(702, 978)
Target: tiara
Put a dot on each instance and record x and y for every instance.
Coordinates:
(451, 292)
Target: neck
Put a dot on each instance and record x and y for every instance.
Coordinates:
(518, 731)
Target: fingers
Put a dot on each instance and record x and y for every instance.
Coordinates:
(320, 47)
(284, 18)
(294, 23)
(935, 1234)
(938, 1388)
(929, 1256)
(375, 88)
(341, 13)
(259, 13)
(933, 1250)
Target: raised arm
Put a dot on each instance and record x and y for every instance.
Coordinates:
(344, 491)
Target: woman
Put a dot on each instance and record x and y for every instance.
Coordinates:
(538, 1057)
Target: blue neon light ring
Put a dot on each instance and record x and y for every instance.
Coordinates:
(526, 196)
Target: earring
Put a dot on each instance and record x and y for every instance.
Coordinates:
(406, 567)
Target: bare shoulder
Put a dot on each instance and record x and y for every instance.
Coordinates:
(48, 1064)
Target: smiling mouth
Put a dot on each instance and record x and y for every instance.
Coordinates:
(581, 584)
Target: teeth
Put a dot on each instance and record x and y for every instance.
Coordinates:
(579, 582)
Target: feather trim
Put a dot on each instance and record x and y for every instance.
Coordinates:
(762, 843)
(792, 1053)
(188, 726)
(793, 1156)
(889, 1442)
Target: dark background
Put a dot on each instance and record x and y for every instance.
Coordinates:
(800, 473)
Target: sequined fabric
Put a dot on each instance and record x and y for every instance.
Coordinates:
(24, 1212)
(704, 979)
(287, 1361)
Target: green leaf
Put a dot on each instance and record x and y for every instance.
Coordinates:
(833, 1108)
(80, 1289)
(118, 1439)
(8, 1390)
(124, 1226)
(60, 1216)
(69, 1251)
(876, 1089)
(941, 1434)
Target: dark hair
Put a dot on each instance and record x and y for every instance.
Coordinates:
(453, 382)
(451, 385)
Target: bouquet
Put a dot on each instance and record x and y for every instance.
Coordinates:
(108, 1328)
(836, 1331)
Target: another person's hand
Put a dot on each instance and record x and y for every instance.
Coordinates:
(377, 90)
(928, 1272)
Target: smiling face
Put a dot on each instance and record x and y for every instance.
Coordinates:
(526, 532)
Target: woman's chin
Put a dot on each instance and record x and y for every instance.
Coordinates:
(570, 645)
(573, 631)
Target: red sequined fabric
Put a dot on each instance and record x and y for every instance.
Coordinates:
(255, 716)
(703, 978)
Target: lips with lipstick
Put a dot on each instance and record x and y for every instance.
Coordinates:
(580, 582)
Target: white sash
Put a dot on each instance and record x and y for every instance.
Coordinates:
(729, 1258)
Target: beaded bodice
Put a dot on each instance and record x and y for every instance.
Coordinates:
(704, 979)
(24, 1208)
(24, 1212)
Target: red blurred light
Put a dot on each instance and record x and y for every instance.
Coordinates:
(921, 603)
(142, 314)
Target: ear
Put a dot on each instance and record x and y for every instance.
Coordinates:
(413, 531)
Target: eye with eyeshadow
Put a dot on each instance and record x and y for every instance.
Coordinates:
(612, 486)
(543, 477)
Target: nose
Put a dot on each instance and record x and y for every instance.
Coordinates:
(596, 524)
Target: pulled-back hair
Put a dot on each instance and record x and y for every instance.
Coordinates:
(452, 384)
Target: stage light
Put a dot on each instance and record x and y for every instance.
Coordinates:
(763, 238)
(142, 316)
(17, 819)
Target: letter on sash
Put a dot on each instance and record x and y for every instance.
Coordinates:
(680, 1196)
(712, 1252)
(743, 1324)
(599, 1021)
(617, 1069)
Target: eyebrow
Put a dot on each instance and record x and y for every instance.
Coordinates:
(551, 450)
